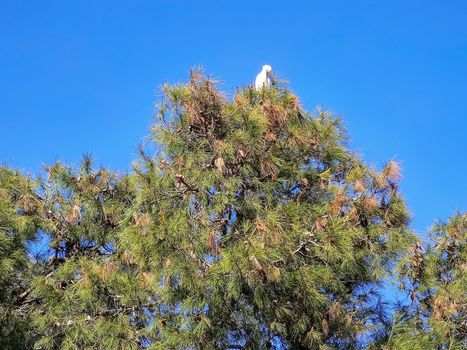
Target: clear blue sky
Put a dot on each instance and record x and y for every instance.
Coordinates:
(83, 76)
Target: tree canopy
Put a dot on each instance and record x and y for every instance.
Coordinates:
(252, 226)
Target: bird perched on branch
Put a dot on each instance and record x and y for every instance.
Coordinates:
(263, 79)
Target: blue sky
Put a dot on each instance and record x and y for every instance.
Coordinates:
(83, 76)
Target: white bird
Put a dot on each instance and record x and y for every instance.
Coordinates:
(263, 79)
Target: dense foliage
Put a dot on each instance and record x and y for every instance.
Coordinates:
(436, 280)
(17, 200)
(253, 226)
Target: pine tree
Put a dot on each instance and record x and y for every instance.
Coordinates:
(436, 280)
(16, 198)
(264, 229)
(253, 226)
(88, 294)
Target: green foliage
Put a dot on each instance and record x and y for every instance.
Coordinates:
(16, 198)
(87, 292)
(436, 280)
(252, 227)
(263, 226)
